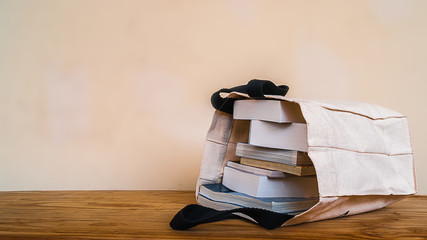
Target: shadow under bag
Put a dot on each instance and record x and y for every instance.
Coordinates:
(361, 153)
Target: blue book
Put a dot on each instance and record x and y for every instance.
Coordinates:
(221, 194)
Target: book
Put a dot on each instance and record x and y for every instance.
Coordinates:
(289, 136)
(222, 206)
(255, 170)
(295, 170)
(268, 110)
(217, 205)
(262, 186)
(290, 157)
(220, 197)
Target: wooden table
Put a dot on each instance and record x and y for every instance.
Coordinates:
(146, 215)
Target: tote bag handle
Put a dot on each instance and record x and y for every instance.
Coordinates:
(255, 89)
(193, 215)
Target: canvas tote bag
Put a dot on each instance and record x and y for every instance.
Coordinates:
(361, 153)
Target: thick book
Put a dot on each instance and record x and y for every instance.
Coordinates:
(220, 197)
(222, 206)
(218, 205)
(262, 186)
(289, 136)
(255, 170)
(268, 110)
(291, 157)
(295, 170)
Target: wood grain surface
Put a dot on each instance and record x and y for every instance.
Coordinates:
(146, 215)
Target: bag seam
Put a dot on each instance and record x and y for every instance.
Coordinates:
(360, 114)
(344, 149)
(215, 141)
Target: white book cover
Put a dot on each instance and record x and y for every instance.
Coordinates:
(290, 136)
(263, 186)
(268, 110)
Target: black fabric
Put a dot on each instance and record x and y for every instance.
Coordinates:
(255, 89)
(193, 215)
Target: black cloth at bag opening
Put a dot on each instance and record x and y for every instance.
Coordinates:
(193, 215)
(255, 89)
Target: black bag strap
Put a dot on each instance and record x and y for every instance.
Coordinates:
(255, 89)
(193, 215)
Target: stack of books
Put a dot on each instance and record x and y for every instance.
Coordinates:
(275, 171)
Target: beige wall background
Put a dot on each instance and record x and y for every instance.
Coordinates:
(115, 94)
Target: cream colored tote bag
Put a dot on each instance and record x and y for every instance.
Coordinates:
(361, 153)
